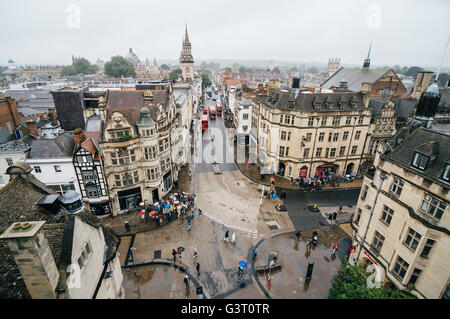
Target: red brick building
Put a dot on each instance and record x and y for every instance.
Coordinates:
(9, 115)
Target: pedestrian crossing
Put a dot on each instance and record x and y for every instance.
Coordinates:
(343, 217)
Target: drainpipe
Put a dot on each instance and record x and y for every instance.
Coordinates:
(382, 177)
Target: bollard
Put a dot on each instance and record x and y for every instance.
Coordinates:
(309, 270)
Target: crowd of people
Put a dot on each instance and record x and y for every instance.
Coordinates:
(172, 207)
(317, 182)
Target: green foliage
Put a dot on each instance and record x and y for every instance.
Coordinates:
(351, 283)
(312, 69)
(206, 81)
(79, 66)
(119, 67)
(413, 71)
(442, 78)
(126, 136)
(173, 76)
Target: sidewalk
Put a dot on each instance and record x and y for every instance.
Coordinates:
(251, 171)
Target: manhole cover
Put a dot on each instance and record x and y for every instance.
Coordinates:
(273, 227)
(157, 254)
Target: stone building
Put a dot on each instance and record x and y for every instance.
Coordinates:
(312, 134)
(136, 146)
(186, 59)
(47, 253)
(401, 225)
(384, 83)
(333, 66)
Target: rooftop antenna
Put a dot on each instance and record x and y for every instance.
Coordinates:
(442, 60)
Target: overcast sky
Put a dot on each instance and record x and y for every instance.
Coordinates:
(407, 33)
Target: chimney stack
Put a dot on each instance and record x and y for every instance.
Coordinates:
(78, 135)
(32, 254)
(366, 90)
(52, 114)
(32, 127)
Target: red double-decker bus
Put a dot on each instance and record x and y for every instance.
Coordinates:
(204, 122)
(212, 112)
(219, 109)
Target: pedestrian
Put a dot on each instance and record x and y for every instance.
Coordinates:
(274, 196)
(179, 210)
(200, 213)
(255, 252)
(198, 269)
(233, 239)
(226, 236)
(194, 250)
(189, 225)
(174, 253)
(298, 234)
(127, 226)
(190, 173)
(283, 194)
(186, 281)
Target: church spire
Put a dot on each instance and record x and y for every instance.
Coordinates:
(186, 36)
(366, 64)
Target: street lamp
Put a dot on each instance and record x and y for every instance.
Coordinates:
(382, 177)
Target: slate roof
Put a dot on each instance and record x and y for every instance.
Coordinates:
(329, 102)
(34, 98)
(427, 141)
(129, 103)
(61, 146)
(17, 200)
(353, 77)
(403, 107)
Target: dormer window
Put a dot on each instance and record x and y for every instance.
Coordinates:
(342, 105)
(317, 105)
(420, 161)
(446, 174)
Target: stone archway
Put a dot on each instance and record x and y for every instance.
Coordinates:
(349, 169)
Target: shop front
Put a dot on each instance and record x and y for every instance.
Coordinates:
(327, 170)
(130, 198)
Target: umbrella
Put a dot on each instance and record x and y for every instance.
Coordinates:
(176, 202)
(141, 212)
(141, 204)
(176, 194)
(180, 250)
(156, 204)
(153, 213)
(243, 264)
(272, 179)
(167, 206)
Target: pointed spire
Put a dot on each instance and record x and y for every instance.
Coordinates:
(366, 64)
(186, 36)
(368, 54)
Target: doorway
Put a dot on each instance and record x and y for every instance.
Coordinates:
(349, 169)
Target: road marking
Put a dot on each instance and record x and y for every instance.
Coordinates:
(230, 226)
(223, 179)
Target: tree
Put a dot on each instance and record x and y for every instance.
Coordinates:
(242, 69)
(442, 78)
(119, 67)
(79, 66)
(312, 69)
(351, 283)
(173, 76)
(206, 81)
(413, 71)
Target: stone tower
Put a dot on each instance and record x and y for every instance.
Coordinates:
(186, 59)
(333, 66)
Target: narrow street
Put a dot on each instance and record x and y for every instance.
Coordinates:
(232, 202)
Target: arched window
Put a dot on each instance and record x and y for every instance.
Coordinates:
(127, 179)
